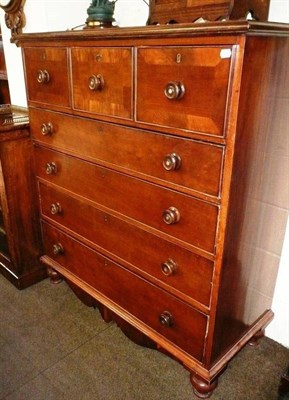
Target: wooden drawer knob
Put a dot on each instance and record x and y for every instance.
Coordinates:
(57, 248)
(166, 319)
(55, 208)
(47, 129)
(43, 76)
(51, 168)
(171, 216)
(169, 267)
(174, 90)
(96, 82)
(172, 162)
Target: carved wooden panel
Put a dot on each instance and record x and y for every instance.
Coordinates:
(186, 11)
(258, 8)
(14, 17)
(172, 11)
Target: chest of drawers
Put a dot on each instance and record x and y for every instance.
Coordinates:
(145, 141)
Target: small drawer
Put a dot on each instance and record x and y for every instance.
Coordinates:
(173, 267)
(161, 312)
(177, 215)
(185, 164)
(183, 87)
(102, 81)
(47, 76)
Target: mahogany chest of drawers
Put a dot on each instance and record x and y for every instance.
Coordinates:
(145, 141)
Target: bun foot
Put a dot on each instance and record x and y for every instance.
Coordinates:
(202, 388)
(53, 275)
(255, 340)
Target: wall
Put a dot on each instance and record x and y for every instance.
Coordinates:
(44, 15)
(279, 327)
(54, 15)
(14, 67)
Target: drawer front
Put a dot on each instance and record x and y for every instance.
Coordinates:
(47, 76)
(183, 87)
(144, 301)
(187, 164)
(191, 220)
(102, 81)
(171, 266)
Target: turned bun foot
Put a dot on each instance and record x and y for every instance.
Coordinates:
(255, 340)
(202, 388)
(54, 276)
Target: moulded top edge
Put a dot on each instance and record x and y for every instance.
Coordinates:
(155, 31)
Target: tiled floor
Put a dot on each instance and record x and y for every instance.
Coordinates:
(53, 347)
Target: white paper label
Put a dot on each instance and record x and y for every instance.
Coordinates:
(226, 53)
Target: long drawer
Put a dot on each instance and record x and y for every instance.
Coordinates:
(183, 163)
(176, 321)
(173, 267)
(175, 214)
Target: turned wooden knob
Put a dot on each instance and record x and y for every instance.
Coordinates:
(46, 128)
(43, 76)
(51, 168)
(96, 82)
(57, 248)
(166, 319)
(169, 267)
(172, 162)
(55, 208)
(171, 216)
(174, 90)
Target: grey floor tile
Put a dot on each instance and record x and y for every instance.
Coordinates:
(54, 347)
(15, 370)
(38, 388)
(2, 342)
(251, 366)
(48, 324)
(43, 299)
(47, 331)
(112, 367)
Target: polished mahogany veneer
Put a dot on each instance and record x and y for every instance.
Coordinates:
(198, 169)
(145, 144)
(184, 102)
(105, 69)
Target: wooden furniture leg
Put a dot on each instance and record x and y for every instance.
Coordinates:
(255, 340)
(54, 276)
(202, 388)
